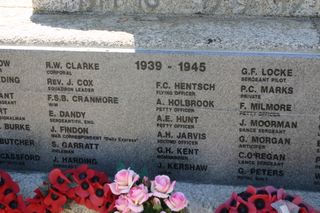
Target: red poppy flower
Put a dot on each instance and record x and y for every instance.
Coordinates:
(100, 199)
(303, 209)
(37, 198)
(80, 201)
(251, 189)
(97, 194)
(99, 177)
(58, 180)
(100, 196)
(109, 196)
(224, 208)
(13, 203)
(54, 209)
(107, 207)
(54, 200)
(230, 205)
(246, 195)
(262, 202)
(82, 173)
(36, 203)
(4, 208)
(83, 190)
(5, 178)
(240, 205)
(7, 185)
(35, 208)
(71, 194)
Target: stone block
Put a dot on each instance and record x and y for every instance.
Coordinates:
(183, 7)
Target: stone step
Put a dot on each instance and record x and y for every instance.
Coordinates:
(16, 3)
(308, 8)
(198, 33)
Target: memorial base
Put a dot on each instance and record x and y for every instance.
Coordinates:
(203, 198)
(18, 26)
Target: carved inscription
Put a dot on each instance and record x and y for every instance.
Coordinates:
(196, 116)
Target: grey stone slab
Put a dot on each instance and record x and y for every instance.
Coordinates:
(185, 7)
(19, 27)
(199, 116)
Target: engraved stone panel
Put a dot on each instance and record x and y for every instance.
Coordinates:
(210, 117)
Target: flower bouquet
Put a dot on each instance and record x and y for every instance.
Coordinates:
(141, 195)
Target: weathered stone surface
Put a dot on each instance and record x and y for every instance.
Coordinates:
(16, 3)
(186, 7)
(198, 33)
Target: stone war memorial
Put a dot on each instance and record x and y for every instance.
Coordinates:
(216, 94)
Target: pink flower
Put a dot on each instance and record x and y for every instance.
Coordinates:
(137, 196)
(177, 202)
(162, 186)
(123, 182)
(122, 204)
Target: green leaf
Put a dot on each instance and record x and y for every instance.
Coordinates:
(157, 208)
(184, 210)
(147, 207)
(168, 210)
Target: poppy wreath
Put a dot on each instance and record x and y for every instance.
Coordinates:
(264, 200)
(82, 185)
(127, 194)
